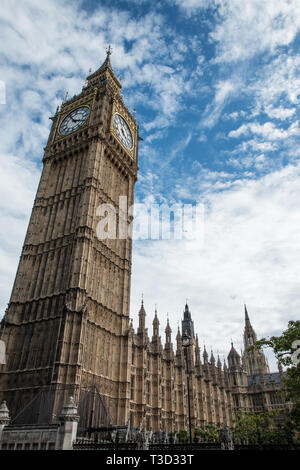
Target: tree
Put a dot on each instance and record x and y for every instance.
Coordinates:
(286, 348)
(282, 345)
(257, 429)
(183, 436)
(210, 433)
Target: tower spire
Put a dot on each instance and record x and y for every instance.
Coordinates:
(247, 320)
(155, 324)
(205, 355)
(168, 331)
(249, 333)
(108, 51)
(105, 71)
(142, 317)
(187, 322)
(178, 340)
(254, 361)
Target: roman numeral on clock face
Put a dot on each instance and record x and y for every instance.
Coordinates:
(123, 131)
(74, 120)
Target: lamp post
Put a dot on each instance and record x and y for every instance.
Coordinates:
(186, 342)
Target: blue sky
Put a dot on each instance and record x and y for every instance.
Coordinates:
(216, 88)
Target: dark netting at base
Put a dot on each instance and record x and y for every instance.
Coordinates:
(46, 405)
(94, 415)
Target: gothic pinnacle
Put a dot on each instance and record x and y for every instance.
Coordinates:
(247, 320)
(109, 50)
(168, 328)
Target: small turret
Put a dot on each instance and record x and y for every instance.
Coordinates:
(234, 360)
(212, 358)
(178, 340)
(187, 322)
(205, 355)
(155, 325)
(142, 319)
(168, 332)
(197, 352)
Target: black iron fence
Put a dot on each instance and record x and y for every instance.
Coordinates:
(82, 444)
(267, 447)
(182, 448)
(86, 444)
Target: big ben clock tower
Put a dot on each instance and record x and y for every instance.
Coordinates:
(67, 322)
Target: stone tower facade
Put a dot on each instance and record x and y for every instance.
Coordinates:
(66, 325)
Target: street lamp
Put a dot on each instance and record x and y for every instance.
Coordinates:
(186, 342)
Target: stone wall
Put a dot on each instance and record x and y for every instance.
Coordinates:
(37, 437)
(29, 437)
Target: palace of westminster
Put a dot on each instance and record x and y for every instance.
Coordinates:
(67, 326)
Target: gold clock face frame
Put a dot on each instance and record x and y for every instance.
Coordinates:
(123, 131)
(74, 120)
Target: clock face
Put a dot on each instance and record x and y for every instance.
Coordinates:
(123, 131)
(74, 120)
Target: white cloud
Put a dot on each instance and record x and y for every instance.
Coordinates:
(268, 130)
(246, 33)
(224, 90)
(280, 112)
(277, 87)
(249, 28)
(251, 254)
(258, 146)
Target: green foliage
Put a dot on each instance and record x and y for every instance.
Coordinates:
(282, 347)
(259, 429)
(210, 433)
(183, 436)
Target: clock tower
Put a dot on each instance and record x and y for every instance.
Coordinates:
(67, 323)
